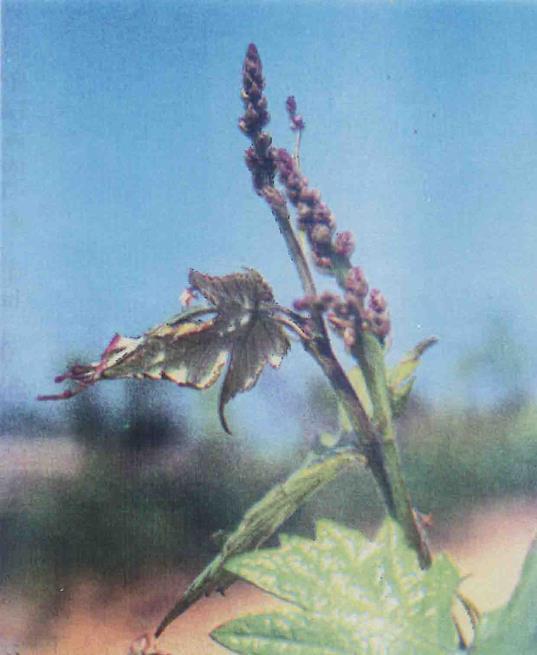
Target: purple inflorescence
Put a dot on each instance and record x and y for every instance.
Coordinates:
(256, 115)
(260, 155)
(351, 315)
(314, 217)
(297, 122)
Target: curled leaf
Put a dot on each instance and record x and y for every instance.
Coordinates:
(191, 351)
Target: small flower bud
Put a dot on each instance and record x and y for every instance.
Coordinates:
(381, 326)
(342, 309)
(290, 105)
(294, 182)
(250, 115)
(349, 337)
(303, 304)
(285, 162)
(254, 91)
(328, 298)
(322, 214)
(344, 244)
(297, 123)
(264, 141)
(305, 213)
(377, 302)
(356, 283)
(321, 234)
(262, 105)
(251, 158)
(310, 196)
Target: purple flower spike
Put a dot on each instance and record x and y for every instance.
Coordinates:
(313, 215)
(297, 122)
(259, 156)
(256, 115)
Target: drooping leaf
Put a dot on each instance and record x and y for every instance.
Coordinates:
(262, 520)
(401, 377)
(346, 595)
(192, 352)
(513, 628)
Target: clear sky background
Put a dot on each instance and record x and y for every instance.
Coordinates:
(122, 168)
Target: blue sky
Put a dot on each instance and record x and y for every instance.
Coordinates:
(122, 167)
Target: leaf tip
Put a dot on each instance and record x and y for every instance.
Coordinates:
(424, 345)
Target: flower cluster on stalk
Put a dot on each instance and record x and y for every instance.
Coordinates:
(260, 155)
(314, 216)
(297, 122)
(359, 312)
(358, 309)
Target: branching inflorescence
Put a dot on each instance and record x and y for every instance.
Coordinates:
(360, 317)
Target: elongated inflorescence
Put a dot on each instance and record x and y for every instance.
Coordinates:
(331, 251)
(314, 216)
(260, 155)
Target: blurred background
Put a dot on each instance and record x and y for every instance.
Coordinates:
(122, 168)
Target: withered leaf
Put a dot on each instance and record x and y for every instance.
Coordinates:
(191, 351)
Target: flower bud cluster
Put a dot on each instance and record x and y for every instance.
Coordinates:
(379, 316)
(358, 311)
(256, 115)
(297, 122)
(260, 155)
(314, 216)
(317, 303)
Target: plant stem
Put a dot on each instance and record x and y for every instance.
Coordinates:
(370, 356)
(377, 439)
(283, 220)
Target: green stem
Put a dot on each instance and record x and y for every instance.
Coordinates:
(321, 350)
(370, 356)
(377, 439)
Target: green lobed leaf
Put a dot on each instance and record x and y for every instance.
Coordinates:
(346, 595)
(262, 520)
(513, 628)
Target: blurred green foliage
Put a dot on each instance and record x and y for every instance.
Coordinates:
(152, 488)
